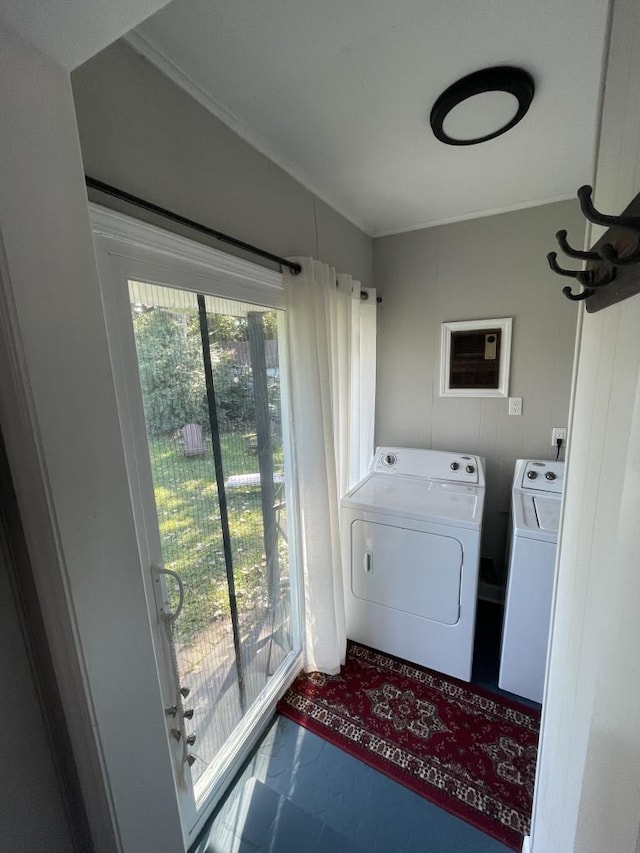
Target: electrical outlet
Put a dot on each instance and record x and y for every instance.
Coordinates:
(556, 433)
(515, 405)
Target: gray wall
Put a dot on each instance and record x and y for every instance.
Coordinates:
(490, 267)
(142, 133)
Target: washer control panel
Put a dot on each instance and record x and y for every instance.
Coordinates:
(430, 464)
(540, 475)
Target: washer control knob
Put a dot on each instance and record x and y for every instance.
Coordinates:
(390, 459)
(454, 466)
(531, 475)
(550, 475)
(470, 469)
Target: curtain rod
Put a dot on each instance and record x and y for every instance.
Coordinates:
(94, 184)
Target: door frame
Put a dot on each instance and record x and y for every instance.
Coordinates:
(127, 248)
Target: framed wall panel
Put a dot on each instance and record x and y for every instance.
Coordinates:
(475, 358)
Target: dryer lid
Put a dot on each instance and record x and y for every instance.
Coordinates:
(415, 497)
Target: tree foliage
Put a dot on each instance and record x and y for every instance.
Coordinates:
(170, 370)
(172, 373)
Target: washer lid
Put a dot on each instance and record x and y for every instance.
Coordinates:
(536, 516)
(418, 498)
(548, 513)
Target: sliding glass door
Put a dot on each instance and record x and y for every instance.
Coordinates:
(201, 384)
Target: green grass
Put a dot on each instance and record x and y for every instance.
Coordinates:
(190, 530)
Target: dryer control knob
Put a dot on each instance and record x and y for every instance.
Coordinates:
(531, 475)
(470, 469)
(550, 475)
(454, 466)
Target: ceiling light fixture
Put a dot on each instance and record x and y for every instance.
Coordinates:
(482, 105)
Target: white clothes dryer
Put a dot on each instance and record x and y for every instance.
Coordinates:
(535, 518)
(411, 550)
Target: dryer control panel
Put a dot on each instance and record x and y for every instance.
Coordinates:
(429, 464)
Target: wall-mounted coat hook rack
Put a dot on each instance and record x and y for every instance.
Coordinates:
(609, 275)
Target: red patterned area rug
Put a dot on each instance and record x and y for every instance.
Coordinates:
(469, 751)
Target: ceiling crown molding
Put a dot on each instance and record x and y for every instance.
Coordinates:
(478, 214)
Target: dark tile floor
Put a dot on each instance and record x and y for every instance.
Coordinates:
(300, 794)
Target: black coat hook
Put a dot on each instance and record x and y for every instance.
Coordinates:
(583, 276)
(593, 215)
(589, 279)
(561, 237)
(580, 275)
(577, 297)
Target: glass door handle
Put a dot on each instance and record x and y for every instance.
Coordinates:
(160, 570)
(176, 710)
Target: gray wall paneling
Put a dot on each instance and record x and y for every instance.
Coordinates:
(490, 267)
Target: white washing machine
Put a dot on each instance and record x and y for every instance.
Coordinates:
(535, 518)
(411, 549)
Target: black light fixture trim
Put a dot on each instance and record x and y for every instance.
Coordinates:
(501, 78)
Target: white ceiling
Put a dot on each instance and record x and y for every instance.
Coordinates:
(72, 32)
(338, 92)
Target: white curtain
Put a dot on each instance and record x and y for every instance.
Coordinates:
(326, 389)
